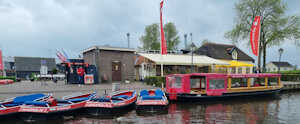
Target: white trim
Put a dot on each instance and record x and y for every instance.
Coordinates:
(182, 59)
(109, 48)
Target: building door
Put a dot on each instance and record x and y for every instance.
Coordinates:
(116, 71)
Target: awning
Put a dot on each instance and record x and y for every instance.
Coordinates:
(182, 59)
(235, 64)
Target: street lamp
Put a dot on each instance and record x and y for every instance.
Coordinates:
(192, 48)
(280, 51)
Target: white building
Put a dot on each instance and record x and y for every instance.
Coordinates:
(273, 66)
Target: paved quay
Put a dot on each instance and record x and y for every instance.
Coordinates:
(61, 89)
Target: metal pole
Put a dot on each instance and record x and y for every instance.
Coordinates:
(192, 63)
(279, 64)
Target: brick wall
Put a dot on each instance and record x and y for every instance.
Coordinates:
(107, 57)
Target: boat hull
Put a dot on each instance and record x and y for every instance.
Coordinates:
(197, 97)
(51, 115)
(108, 111)
(151, 108)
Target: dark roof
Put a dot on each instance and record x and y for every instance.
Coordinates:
(138, 61)
(282, 64)
(222, 51)
(33, 63)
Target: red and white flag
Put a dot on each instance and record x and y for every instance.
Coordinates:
(62, 58)
(162, 34)
(1, 61)
(254, 35)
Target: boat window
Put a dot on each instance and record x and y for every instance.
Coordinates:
(195, 83)
(177, 82)
(216, 83)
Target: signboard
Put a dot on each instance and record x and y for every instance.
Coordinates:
(44, 70)
(89, 79)
(43, 62)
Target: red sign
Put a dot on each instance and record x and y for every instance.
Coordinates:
(1, 61)
(33, 109)
(162, 34)
(152, 102)
(254, 35)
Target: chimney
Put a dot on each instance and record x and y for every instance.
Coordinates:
(185, 35)
(128, 34)
(191, 37)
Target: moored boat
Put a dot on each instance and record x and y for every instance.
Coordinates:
(152, 101)
(54, 108)
(11, 106)
(113, 102)
(212, 86)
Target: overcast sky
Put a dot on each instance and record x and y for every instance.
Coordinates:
(31, 28)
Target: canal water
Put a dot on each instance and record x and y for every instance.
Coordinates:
(282, 108)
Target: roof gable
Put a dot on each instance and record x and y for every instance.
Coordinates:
(282, 64)
(222, 51)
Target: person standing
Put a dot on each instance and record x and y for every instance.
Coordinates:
(80, 73)
(257, 70)
(258, 79)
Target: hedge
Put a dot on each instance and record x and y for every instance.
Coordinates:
(155, 80)
(289, 77)
(12, 78)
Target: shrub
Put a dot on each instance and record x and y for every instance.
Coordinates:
(54, 71)
(155, 80)
(12, 78)
(289, 77)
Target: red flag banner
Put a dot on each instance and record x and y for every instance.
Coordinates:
(162, 34)
(1, 61)
(254, 35)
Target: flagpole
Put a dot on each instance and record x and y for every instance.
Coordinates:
(3, 73)
(258, 55)
(161, 54)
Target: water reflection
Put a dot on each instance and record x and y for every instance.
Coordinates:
(283, 108)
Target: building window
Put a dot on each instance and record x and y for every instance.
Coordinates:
(240, 70)
(247, 70)
(234, 55)
(233, 70)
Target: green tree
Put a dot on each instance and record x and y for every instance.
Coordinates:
(54, 71)
(171, 36)
(205, 41)
(295, 67)
(151, 38)
(276, 26)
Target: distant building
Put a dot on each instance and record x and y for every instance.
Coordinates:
(9, 66)
(149, 64)
(27, 65)
(273, 66)
(226, 53)
(114, 62)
